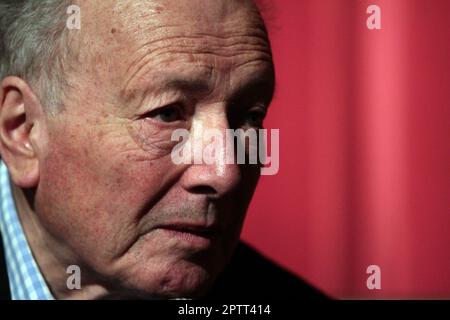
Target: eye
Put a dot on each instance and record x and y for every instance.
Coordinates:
(168, 114)
(255, 118)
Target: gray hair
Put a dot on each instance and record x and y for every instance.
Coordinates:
(34, 46)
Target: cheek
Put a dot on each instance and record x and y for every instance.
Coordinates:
(93, 190)
(152, 138)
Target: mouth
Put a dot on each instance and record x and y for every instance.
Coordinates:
(192, 235)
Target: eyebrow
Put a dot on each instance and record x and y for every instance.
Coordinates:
(193, 86)
(260, 87)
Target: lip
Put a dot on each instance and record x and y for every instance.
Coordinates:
(194, 235)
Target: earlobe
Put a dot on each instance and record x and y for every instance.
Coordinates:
(18, 117)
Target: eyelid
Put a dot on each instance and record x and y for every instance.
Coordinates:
(153, 113)
(159, 100)
(260, 113)
(159, 105)
(262, 107)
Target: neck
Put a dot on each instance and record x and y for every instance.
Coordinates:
(53, 258)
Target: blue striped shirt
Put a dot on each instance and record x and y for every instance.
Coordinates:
(25, 279)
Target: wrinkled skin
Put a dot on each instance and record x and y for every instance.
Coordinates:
(106, 179)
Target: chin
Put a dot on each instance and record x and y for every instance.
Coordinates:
(182, 279)
(170, 270)
(190, 282)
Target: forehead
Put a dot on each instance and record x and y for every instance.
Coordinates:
(199, 13)
(196, 38)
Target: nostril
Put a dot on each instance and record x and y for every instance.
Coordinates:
(202, 190)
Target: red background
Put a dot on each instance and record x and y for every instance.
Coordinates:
(364, 119)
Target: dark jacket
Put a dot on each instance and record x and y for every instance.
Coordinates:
(248, 276)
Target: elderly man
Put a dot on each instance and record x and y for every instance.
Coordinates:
(87, 180)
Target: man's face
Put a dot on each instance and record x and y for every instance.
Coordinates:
(108, 188)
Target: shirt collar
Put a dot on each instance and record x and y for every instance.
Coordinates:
(25, 279)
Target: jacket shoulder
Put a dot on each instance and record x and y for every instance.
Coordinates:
(249, 275)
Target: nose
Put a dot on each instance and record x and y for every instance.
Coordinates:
(210, 172)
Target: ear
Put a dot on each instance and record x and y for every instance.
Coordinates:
(21, 117)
